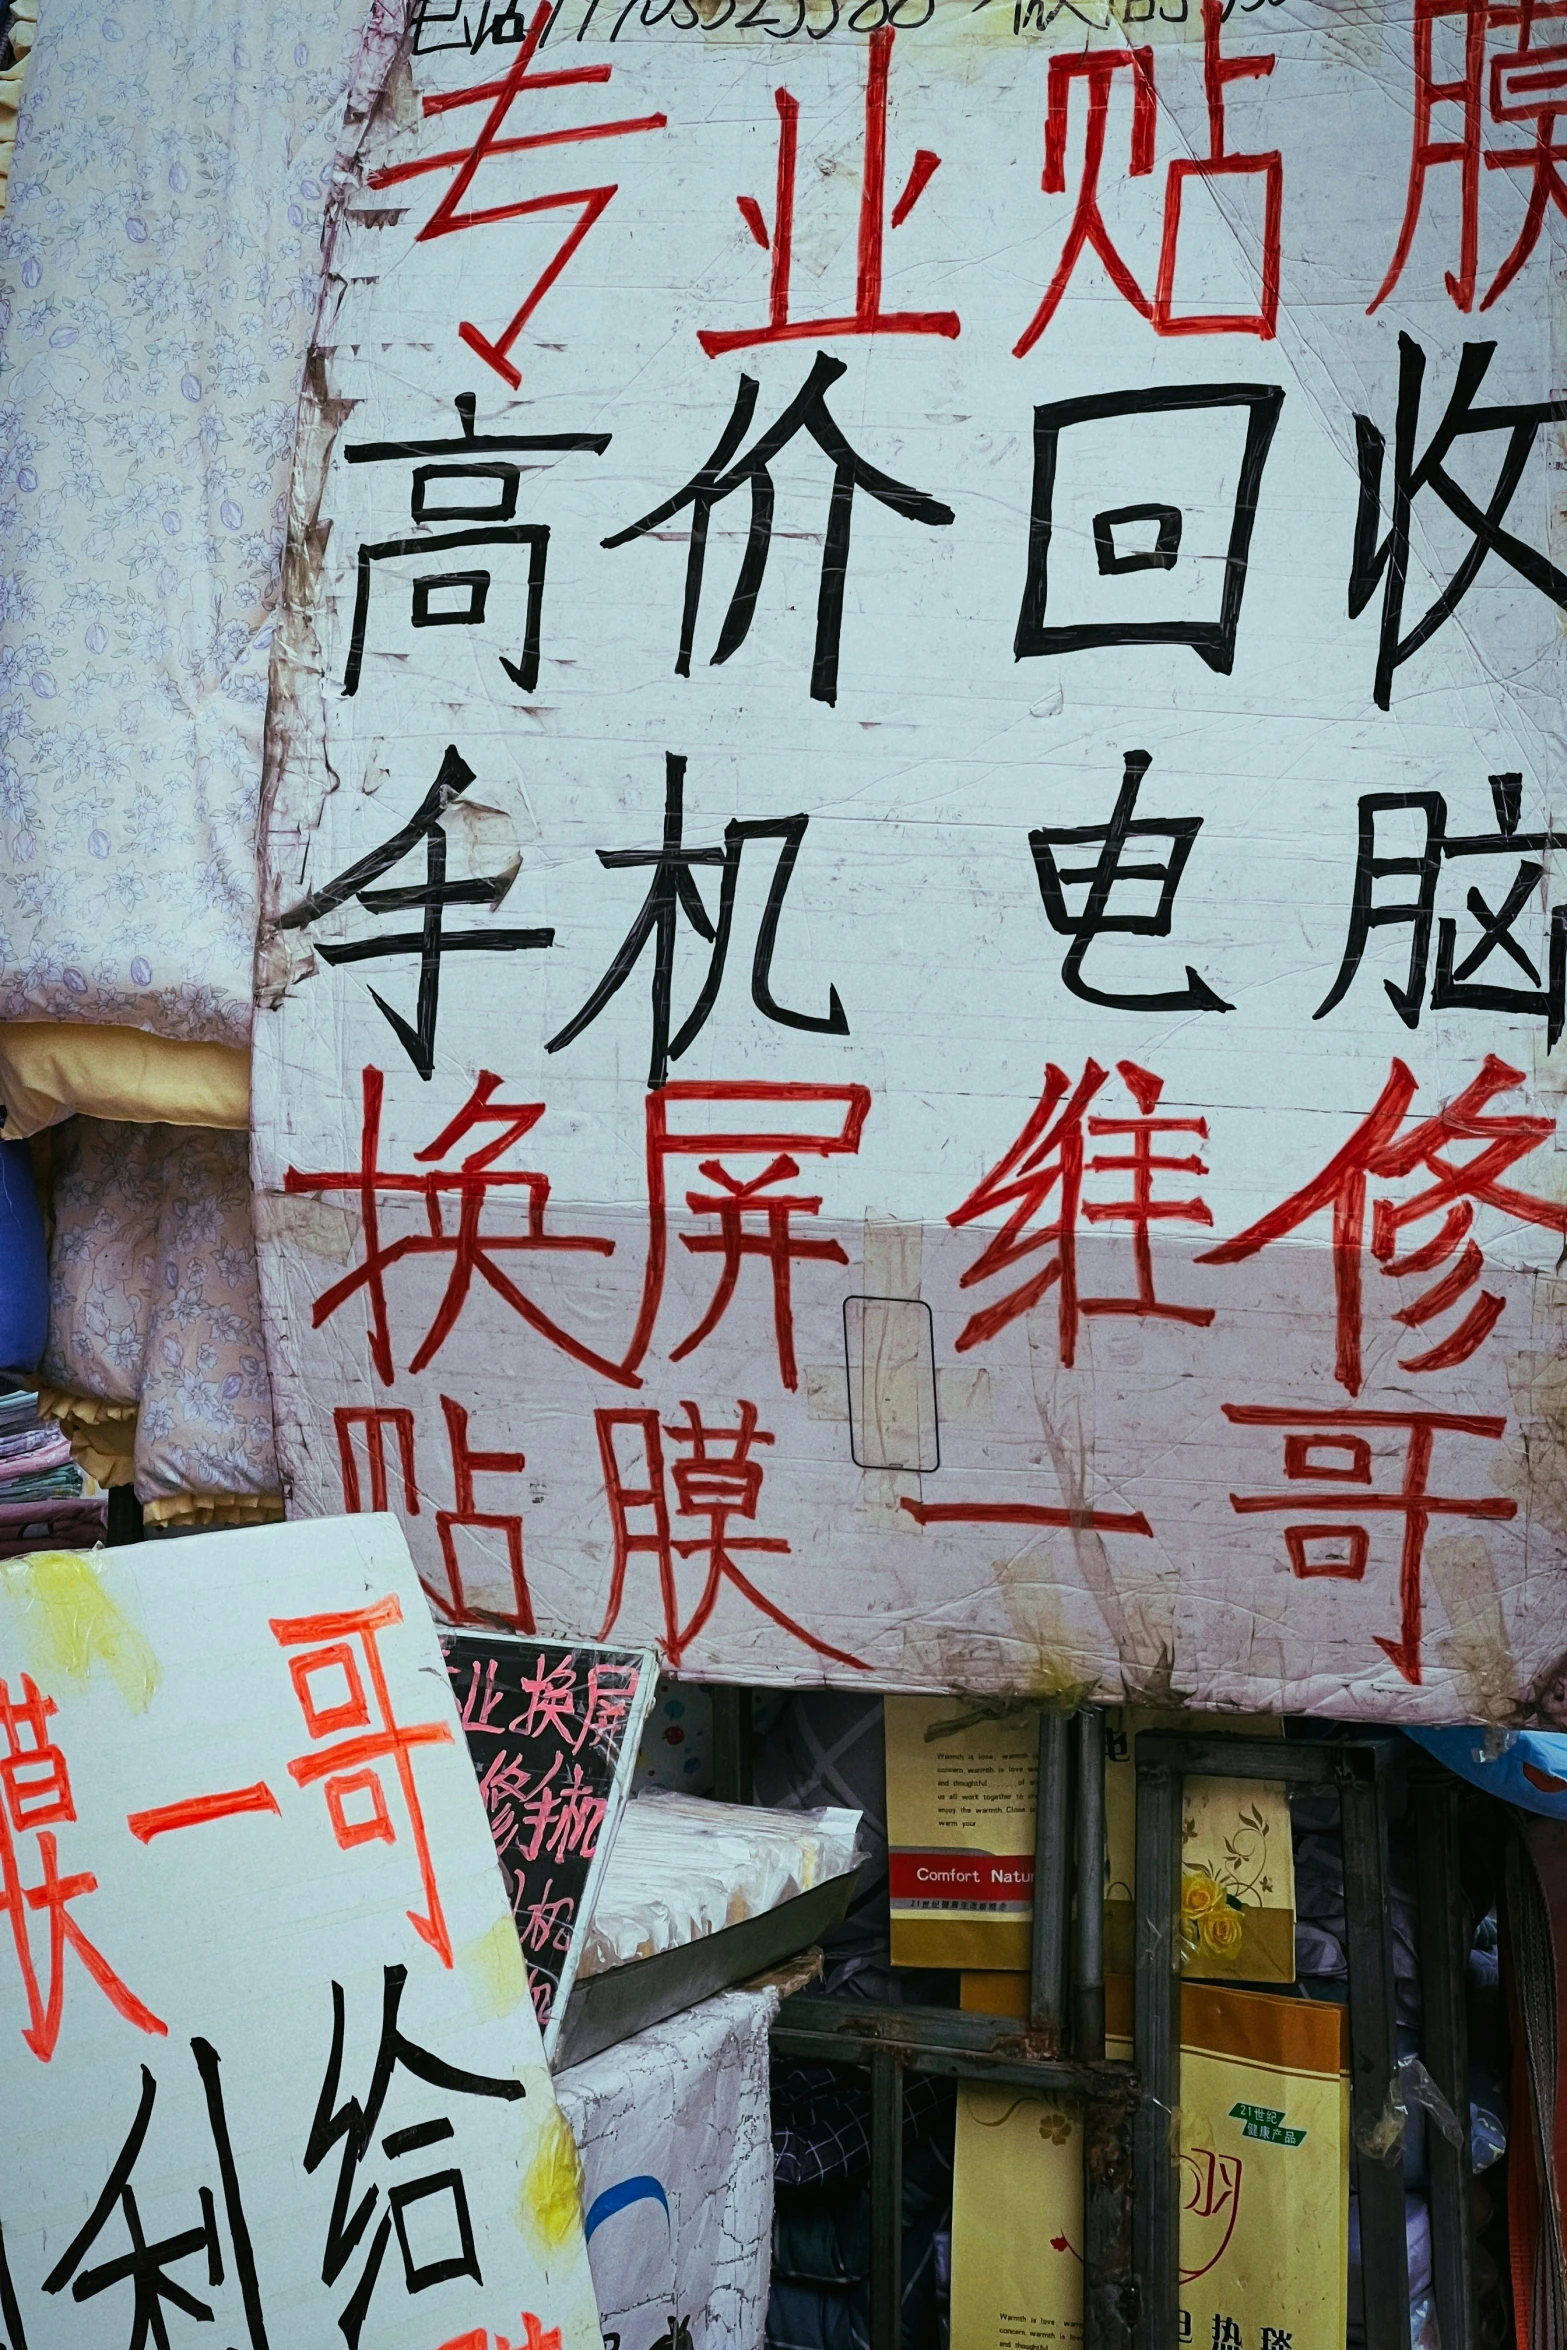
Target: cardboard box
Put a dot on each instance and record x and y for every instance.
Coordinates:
(1264, 2181)
(961, 1788)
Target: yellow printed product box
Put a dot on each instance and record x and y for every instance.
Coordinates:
(961, 1786)
(960, 1830)
(1237, 1858)
(1264, 2187)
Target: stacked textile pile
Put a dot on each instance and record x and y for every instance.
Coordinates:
(683, 1868)
(148, 486)
(45, 1499)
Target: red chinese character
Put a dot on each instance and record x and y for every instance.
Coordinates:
(666, 1140)
(1088, 232)
(1429, 152)
(776, 1242)
(1098, 69)
(397, 1421)
(35, 1797)
(719, 1482)
(375, 1425)
(1211, 2190)
(1025, 1513)
(534, 2337)
(330, 1686)
(1049, 1157)
(1527, 84)
(1341, 1551)
(611, 1689)
(1218, 72)
(868, 317)
(1377, 1152)
(589, 203)
(454, 1603)
(471, 1249)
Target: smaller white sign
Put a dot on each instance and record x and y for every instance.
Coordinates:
(269, 2068)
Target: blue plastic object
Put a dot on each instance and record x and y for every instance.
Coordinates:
(24, 1266)
(1527, 1767)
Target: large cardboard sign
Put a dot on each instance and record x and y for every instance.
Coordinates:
(910, 1018)
(268, 2063)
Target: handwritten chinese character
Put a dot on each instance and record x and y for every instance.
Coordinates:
(1048, 1162)
(1378, 1151)
(431, 941)
(353, 2124)
(1125, 832)
(1456, 987)
(868, 317)
(1384, 561)
(724, 472)
(721, 1482)
(589, 204)
(1333, 1449)
(340, 1655)
(473, 1251)
(475, 484)
(673, 896)
(35, 1799)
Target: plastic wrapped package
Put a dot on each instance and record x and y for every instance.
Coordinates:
(682, 1868)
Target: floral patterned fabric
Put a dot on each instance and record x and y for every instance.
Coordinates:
(160, 266)
(153, 1301)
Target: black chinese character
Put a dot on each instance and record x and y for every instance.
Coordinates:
(1455, 987)
(145, 2267)
(1096, 919)
(355, 2125)
(451, 492)
(432, 940)
(724, 473)
(1387, 559)
(673, 893)
(1213, 640)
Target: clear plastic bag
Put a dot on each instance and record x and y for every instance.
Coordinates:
(683, 1867)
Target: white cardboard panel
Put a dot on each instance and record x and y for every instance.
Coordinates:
(266, 2048)
(966, 1479)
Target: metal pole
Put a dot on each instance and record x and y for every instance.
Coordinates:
(1156, 2053)
(1443, 1954)
(731, 1744)
(1088, 1989)
(1109, 2284)
(1373, 2034)
(886, 2200)
(1047, 1984)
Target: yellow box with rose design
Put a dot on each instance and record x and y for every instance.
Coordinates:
(1264, 2186)
(960, 1827)
(1237, 1858)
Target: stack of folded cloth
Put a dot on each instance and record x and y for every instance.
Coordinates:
(681, 1868)
(46, 1501)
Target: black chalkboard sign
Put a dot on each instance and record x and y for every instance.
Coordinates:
(552, 1729)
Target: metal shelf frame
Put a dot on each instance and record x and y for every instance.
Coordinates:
(1131, 2171)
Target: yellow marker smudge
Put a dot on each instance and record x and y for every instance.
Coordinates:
(550, 2206)
(71, 1623)
(494, 1971)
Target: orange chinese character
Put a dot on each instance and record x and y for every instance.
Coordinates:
(330, 1686)
(35, 1796)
